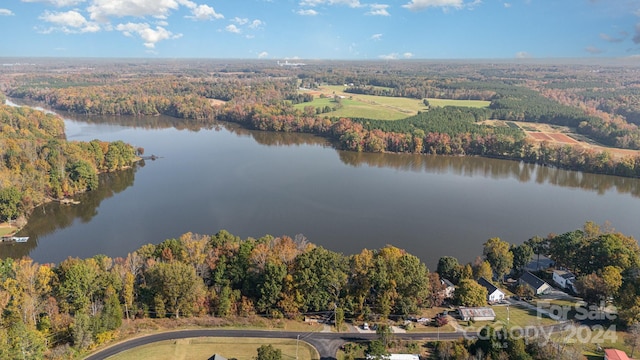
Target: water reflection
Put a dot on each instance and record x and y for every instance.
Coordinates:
(495, 169)
(50, 217)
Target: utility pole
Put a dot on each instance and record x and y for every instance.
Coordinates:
(297, 340)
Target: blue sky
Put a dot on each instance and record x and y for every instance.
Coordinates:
(321, 29)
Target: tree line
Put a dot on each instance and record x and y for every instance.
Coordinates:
(60, 309)
(79, 303)
(265, 103)
(37, 163)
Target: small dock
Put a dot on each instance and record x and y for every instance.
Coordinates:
(14, 239)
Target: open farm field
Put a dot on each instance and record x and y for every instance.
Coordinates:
(560, 135)
(379, 107)
(204, 348)
(354, 108)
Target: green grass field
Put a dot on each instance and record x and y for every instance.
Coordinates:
(517, 318)
(6, 229)
(380, 107)
(204, 348)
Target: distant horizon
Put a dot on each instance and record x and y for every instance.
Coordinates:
(321, 29)
(634, 58)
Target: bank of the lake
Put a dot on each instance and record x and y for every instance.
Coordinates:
(253, 183)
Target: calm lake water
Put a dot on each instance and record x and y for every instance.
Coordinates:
(256, 183)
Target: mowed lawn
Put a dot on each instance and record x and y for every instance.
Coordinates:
(379, 107)
(204, 348)
(518, 317)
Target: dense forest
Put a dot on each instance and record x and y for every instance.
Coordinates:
(261, 96)
(37, 163)
(59, 310)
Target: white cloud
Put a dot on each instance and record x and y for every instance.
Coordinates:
(263, 55)
(233, 29)
(378, 9)
(146, 33)
(6, 12)
(523, 55)
(392, 56)
(507, 5)
(255, 24)
(205, 12)
(240, 21)
(593, 50)
(613, 39)
(307, 12)
(349, 3)
(102, 10)
(68, 22)
(407, 55)
(376, 37)
(417, 5)
(313, 3)
(58, 3)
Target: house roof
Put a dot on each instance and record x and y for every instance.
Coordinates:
(446, 282)
(564, 274)
(614, 354)
(489, 285)
(532, 280)
(477, 312)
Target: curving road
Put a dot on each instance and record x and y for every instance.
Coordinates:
(326, 343)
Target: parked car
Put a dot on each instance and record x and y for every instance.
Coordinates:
(365, 326)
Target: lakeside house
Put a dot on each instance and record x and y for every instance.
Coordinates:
(565, 279)
(493, 293)
(477, 314)
(537, 285)
(543, 263)
(448, 290)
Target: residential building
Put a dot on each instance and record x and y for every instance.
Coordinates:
(565, 279)
(537, 285)
(493, 293)
(449, 288)
(477, 314)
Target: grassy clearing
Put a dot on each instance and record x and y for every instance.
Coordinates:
(593, 340)
(356, 109)
(420, 328)
(518, 318)
(203, 348)
(380, 107)
(7, 229)
(467, 103)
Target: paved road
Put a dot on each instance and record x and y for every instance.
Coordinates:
(327, 344)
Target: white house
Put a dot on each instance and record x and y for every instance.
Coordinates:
(565, 279)
(493, 293)
(449, 288)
